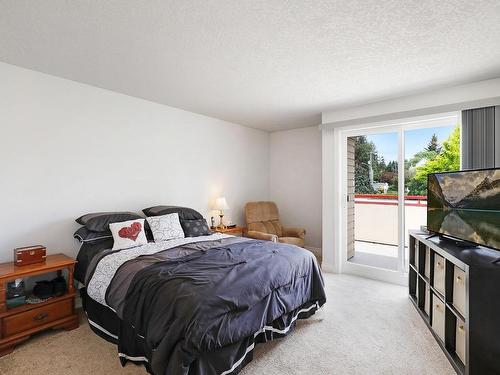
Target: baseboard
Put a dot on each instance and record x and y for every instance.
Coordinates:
(328, 268)
(373, 273)
(315, 250)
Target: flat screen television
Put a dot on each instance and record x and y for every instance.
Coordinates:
(465, 205)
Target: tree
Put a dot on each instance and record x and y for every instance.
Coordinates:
(392, 166)
(433, 144)
(423, 155)
(362, 151)
(362, 183)
(448, 159)
(388, 176)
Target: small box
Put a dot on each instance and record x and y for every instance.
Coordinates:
(15, 302)
(29, 255)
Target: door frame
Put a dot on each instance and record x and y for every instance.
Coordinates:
(335, 190)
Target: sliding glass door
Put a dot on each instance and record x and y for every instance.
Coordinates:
(384, 184)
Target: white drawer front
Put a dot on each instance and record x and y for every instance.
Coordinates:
(460, 340)
(459, 290)
(427, 270)
(438, 317)
(427, 305)
(439, 271)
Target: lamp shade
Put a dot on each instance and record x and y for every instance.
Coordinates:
(221, 204)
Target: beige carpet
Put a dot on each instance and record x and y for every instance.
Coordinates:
(366, 327)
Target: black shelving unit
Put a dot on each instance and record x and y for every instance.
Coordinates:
(456, 290)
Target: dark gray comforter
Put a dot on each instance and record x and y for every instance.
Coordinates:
(178, 305)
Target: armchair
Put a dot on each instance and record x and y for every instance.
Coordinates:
(263, 223)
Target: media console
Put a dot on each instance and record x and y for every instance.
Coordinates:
(456, 290)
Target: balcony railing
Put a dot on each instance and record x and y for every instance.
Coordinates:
(376, 216)
(390, 199)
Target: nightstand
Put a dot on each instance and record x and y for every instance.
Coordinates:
(235, 231)
(17, 324)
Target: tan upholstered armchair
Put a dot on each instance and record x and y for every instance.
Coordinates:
(263, 223)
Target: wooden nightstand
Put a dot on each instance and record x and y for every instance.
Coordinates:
(235, 231)
(19, 323)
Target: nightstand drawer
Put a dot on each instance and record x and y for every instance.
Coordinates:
(37, 317)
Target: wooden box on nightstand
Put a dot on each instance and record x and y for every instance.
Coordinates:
(19, 323)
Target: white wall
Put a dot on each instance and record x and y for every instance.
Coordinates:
(295, 179)
(67, 149)
(449, 99)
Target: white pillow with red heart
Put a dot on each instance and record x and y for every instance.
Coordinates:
(127, 234)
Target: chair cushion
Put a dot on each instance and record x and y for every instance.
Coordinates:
(292, 241)
(263, 217)
(271, 227)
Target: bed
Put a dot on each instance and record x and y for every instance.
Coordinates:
(196, 305)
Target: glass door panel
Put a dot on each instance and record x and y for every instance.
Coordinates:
(372, 200)
(427, 150)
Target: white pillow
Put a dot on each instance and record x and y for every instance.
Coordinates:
(128, 234)
(165, 227)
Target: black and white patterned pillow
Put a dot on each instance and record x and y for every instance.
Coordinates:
(165, 227)
(195, 228)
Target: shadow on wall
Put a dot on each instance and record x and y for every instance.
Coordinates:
(57, 236)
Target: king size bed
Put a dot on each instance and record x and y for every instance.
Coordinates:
(195, 305)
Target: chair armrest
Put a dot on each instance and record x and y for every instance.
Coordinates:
(262, 236)
(294, 232)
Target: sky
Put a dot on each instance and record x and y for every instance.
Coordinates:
(415, 141)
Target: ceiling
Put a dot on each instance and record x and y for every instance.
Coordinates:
(267, 64)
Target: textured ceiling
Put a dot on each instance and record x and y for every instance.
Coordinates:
(266, 64)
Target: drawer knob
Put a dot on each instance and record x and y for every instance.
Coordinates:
(459, 279)
(461, 327)
(40, 316)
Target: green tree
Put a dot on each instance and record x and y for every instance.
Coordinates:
(446, 160)
(423, 155)
(362, 151)
(433, 145)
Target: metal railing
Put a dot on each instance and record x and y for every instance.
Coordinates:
(390, 199)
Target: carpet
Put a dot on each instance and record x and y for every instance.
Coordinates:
(366, 327)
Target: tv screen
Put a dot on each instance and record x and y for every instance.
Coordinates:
(465, 205)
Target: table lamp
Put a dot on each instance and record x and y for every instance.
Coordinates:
(221, 205)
